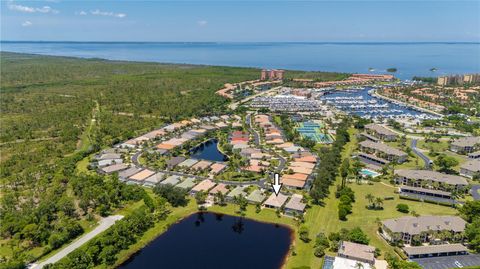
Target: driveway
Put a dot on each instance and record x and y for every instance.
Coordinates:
(105, 223)
(420, 154)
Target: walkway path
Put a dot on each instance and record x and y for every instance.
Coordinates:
(105, 223)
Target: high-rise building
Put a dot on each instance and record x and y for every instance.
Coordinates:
(263, 75)
(272, 74)
(458, 79)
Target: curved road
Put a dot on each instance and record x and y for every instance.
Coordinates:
(105, 223)
(420, 154)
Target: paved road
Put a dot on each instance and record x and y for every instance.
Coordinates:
(105, 223)
(476, 192)
(420, 154)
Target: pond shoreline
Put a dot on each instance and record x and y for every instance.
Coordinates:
(136, 250)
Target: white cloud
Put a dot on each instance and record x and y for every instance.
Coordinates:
(81, 13)
(202, 23)
(27, 23)
(108, 13)
(27, 9)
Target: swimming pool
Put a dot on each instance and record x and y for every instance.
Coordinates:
(367, 172)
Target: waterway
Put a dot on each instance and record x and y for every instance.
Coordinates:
(208, 240)
(209, 151)
(410, 58)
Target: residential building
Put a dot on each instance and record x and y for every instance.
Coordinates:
(357, 252)
(465, 145)
(256, 197)
(383, 151)
(295, 206)
(474, 155)
(429, 179)
(380, 132)
(404, 229)
(471, 168)
(275, 201)
(113, 168)
(435, 251)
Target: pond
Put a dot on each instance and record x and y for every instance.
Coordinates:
(208, 151)
(208, 240)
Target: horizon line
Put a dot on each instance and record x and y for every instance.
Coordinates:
(251, 42)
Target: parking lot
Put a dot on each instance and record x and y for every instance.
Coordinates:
(449, 262)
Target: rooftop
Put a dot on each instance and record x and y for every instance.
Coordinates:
(379, 129)
(276, 201)
(472, 165)
(434, 249)
(416, 225)
(432, 176)
(357, 251)
(204, 185)
(295, 203)
(383, 148)
(466, 141)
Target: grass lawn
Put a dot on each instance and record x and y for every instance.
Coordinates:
(440, 146)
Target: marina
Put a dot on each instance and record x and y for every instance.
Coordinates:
(363, 102)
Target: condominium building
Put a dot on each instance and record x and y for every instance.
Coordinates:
(423, 227)
(429, 180)
(383, 151)
(465, 145)
(380, 132)
(471, 168)
(273, 74)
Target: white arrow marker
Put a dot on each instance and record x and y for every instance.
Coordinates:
(277, 185)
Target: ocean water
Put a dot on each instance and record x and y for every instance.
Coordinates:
(410, 59)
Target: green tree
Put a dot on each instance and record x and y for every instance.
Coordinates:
(445, 163)
(403, 208)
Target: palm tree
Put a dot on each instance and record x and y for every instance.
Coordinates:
(359, 265)
(379, 202)
(370, 199)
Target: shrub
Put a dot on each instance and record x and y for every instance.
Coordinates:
(403, 208)
(304, 234)
(319, 251)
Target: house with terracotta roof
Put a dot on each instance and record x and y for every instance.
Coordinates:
(204, 185)
(275, 201)
(142, 175)
(201, 165)
(220, 188)
(294, 183)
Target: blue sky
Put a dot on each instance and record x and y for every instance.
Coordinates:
(246, 21)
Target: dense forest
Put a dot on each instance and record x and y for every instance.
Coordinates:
(55, 111)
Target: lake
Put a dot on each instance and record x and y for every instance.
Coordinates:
(411, 59)
(208, 240)
(208, 151)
